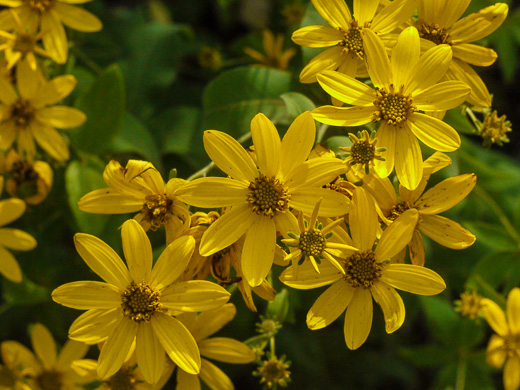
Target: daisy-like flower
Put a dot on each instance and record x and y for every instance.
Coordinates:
(223, 349)
(274, 372)
(50, 16)
(133, 303)
(261, 193)
(140, 187)
(367, 275)
(429, 204)
(402, 87)
(348, 50)
(469, 305)
(31, 114)
(363, 152)
(504, 347)
(44, 369)
(16, 239)
(274, 57)
(438, 23)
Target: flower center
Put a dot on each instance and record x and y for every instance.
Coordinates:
(352, 41)
(362, 152)
(362, 269)
(50, 380)
(140, 301)
(274, 372)
(24, 43)
(469, 305)
(392, 106)
(435, 33)
(7, 378)
(397, 210)
(312, 243)
(512, 344)
(22, 113)
(122, 380)
(495, 129)
(156, 210)
(267, 196)
(41, 5)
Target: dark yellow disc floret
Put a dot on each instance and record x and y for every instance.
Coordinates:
(434, 33)
(41, 5)
(352, 41)
(122, 380)
(49, 380)
(156, 210)
(22, 113)
(362, 269)
(397, 210)
(392, 106)
(312, 243)
(24, 43)
(512, 344)
(140, 301)
(274, 373)
(268, 196)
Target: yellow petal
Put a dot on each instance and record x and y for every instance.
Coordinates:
(258, 251)
(317, 36)
(53, 91)
(211, 192)
(9, 267)
(26, 80)
(408, 158)
(61, 117)
(496, 353)
(513, 310)
(386, 138)
(364, 10)
(177, 341)
(479, 95)
(346, 89)
(172, 262)
(391, 304)
(315, 172)
(14, 353)
(413, 279)
(474, 54)
(417, 252)
(116, 348)
(211, 321)
(107, 201)
(267, 145)
(194, 296)
(71, 351)
(229, 155)
(495, 317)
(137, 250)
(378, 64)
(334, 204)
(149, 353)
(358, 319)
(226, 350)
(44, 345)
(335, 12)
(50, 140)
(512, 373)
(286, 222)
(77, 18)
(187, 381)
(297, 143)
(27, 146)
(87, 295)
(396, 236)
(329, 59)
(405, 54)
(94, 326)
(330, 305)
(381, 190)
(54, 40)
(304, 277)
(449, 13)
(214, 377)
(392, 15)
(8, 94)
(102, 259)
(442, 96)
(430, 68)
(445, 232)
(363, 220)
(479, 24)
(11, 210)
(16, 239)
(227, 229)
(433, 132)
(344, 116)
(9, 133)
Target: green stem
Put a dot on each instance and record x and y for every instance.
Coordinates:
(271, 346)
(462, 368)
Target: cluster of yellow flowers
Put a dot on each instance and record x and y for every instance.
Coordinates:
(330, 221)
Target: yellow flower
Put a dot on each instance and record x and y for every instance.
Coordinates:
(274, 372)
(10, 210)
(348, 50)
(403, 86)
(262, 196)
(439, 23)
(30, 114)
(223, 349)
(469, 305)
(133, 302)
(30, 181)
(46, 370)
(140, 187)
(274, 57)
(367, 275)
(494, 129)
(50, 16)
(504, 347)
(363, 153)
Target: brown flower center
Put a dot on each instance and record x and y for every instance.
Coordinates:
(122, 380)
(268, 196)
(512, 344)
(392, 106)
(50, 380)
(156, 210)
(435, 33)
(362, 152)
(274, 372)
(362, 269)
(469, 305)
(352, 41)
(140, 301)
(24, 43)
(312, 243)
(22, 113)
(397, 210)
(41, 5)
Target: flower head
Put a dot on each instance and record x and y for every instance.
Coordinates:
(274, 57)
(469, 305)
(274, 372)
(363, 152)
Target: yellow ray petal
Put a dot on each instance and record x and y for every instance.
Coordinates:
(14, 353)
(107, 201)
(26, 80)
(286, 222)
(8, 94)
(417, 252)
(408, 158)
(317, 36)
(405, 54)
(346, 89)
(358, 319)
(396, 236)
(44, 345)
(226, 350)
(194, 296)
(187, 381)
(329, 59)
(297, 143)
(334, 204)
(433, 132)
(335, 12)
(116, 348)
(378, 64)
(213, 192)
(267, 145)
(392, 15)
(459, 70)
(442, 96)
(391, 304)
(386, 136)
(496, 353)
(445, 232)
(304, 277)
(474, 54)
(413, 279)
(53, 91)
(214, 377)
(77, 18)
(450, 13)
(479, 24)
(137, 250)
(495, 317)
(11, 210)
(172, 262)
(72, 350)
(9, 132)
(16, 239)
(512, 373)
(9, 267)
(149, 353)
(87, 295)
(363, 220)
(364, 10)
(382, 190)
(429, 69)
(211, 321)
(94, 326)
(315, 172)
(513, 310)
(344, 116)
(54, 40)
(177, 341)
(330, 305)
(61, 117)
(50, 140)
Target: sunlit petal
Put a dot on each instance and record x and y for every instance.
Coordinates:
(330, 305)
(413, 279)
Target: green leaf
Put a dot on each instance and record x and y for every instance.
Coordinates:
(456, 119)
(81, 178)
(427, 355)
(492, 235)
(279, 307)
(297, 104)
(334, 143)
(497, 268)
(177, 127)
(24, 293)
(104, 104)
(234, 97)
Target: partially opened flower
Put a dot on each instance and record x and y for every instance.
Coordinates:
(439, 23)
(50, 16)
(367, 274)
(133, 303)
(275, 57)
(30, 113)
(261, 193)
(223, 349)
(403, 86)
(363, 152)
(140, 187)
(504, 346)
